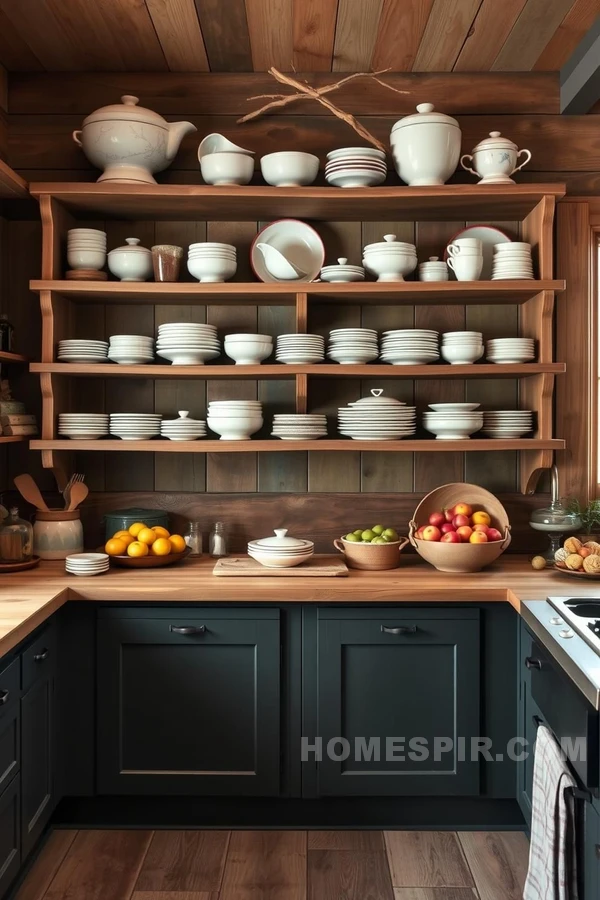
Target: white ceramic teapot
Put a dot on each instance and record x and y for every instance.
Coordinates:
(130, 142)
(495, 159)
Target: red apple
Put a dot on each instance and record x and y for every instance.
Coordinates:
(459, 520)
(437, 519)
(494, 535)
(447, 527)
(431, 533)
(451, 537)
(448, 514)
(419, 533)
(478, 537)
(464, 532)
(463, 509)
(483, 528)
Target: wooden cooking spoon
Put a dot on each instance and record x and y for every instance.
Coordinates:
(79, 492)
(28, 489)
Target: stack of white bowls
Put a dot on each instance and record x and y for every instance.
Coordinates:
(131, 349)
(87, 563)
(235, 420)
(390, 259)
(212, 262)
(462, 348)
(510, 350)
(300, 349)
(135, 426)
(299, 426)
(353, 346)
(248, 349)
(86, 248)
(342, 273)
(435, 269)
(183, 428)
(410, 346)
(507, 423)
(453, 421)
(351, 167)
(83, 426)
(377, 418)
(80, 351)
(281, 551)
(512, 261)
(187, 343)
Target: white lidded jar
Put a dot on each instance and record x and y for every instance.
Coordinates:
(131, 262)
(426, 146)
(495, 159)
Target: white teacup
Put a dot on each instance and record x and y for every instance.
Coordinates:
(466, 267)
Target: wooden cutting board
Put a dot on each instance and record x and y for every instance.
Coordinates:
(317, 566)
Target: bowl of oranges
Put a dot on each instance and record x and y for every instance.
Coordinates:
(141, 547)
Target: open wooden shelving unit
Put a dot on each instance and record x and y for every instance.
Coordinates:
(532, 205)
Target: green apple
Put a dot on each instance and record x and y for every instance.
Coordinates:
(390, 534)
(358, 533)
(378, 529)
(352, 537)
(379, 540)
(368, 535)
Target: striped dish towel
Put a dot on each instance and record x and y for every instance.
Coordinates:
(552, 873)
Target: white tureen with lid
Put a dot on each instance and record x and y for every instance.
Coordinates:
(495, 159)
(281, 551)
(426, 146)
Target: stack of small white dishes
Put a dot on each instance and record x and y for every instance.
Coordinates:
(289, 168)
(299, 255)
(510, 350)
(86, 254)
(83, 426)
(87, 563)
(462, 348)
(410, 346)
(79, 351)
(300, 349)
(235, 420)
(281, 551)
(131, 262)
(183, 428)
(342, 272)
(353, 346)
(390, 259)
(351, 167)
(507, 424)
(135, 426)
(212, 262)
(377, 418)
(248, 349)
(187, 343)
(465, 258)
(435, 269)
(223, 162)
(131, 349)
(512, 261)
(489, 236)
(453, 421)
(299, 426)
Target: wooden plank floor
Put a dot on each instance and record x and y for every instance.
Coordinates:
(278, 865)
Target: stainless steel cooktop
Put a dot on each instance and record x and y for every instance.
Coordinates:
(582, 615)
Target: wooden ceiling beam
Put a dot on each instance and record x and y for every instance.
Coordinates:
(401, 27)
(580, 76)
(446, 31)
(567, 36)
(313, 39)
(270, 30)
(531, 33)
(225, 31)
(355, 35)
(490, 29)
(178, 31)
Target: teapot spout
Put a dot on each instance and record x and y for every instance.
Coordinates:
(177, 132)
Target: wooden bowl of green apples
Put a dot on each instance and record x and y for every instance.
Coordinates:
(372, 549)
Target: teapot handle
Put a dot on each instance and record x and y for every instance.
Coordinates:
(77, 139)
(468, 168)
(525, 161)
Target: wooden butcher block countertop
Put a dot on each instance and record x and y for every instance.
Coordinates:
(29, 598)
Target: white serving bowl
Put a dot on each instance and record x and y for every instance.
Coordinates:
(211, 269)
(462, 354)
(227, 168)
(231, 428)
(390, 266)
(248, 353)
(289, 168)
(182, 356)
(271, 561)
(86, 259)
(453, 429)
(355, 178)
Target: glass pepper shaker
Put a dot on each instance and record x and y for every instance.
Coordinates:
(217, 541)
(193, 539)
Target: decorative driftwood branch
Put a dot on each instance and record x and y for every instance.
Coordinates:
(305, 90)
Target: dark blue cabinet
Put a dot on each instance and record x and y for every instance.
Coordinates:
(10, 835)
(592, 852)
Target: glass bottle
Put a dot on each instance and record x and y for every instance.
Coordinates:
(6, 333)
(193, 539)
(16, 538)
(217, 541)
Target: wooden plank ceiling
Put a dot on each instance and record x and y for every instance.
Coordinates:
(306, 35)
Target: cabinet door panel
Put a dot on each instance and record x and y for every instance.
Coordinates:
(591, 875)
(10, 837)
(10, 755)
(37, 759)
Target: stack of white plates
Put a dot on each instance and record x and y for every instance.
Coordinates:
(299, 426)
(131, 349)
(135, 426)
(187, 343)
(83, 426)
(342, 272)
(377, 418)
(79, 351)
(87, 563)
(355, 167)
(510, 350)
(209, 261)
(235, 420)
(353, 346)
(300, 349)
(183, 428)
(453, 421)
(512, 261)
(410, 346)
(281, 551)
(507, 423)
(462, 348)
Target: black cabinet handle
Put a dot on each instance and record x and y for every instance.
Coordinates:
(399, 629)
(40, 657)
(188, 629)
(532, 663)
(4, 695)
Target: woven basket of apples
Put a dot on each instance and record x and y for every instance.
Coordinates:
(460, 528)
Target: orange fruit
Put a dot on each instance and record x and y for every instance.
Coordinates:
(161, 547)
(136, 528)
(115, 547)
(147, 536)
(136, 548)
(478, 537)
(178, 544)
(480, 518)
(159, 531)
(121, 534)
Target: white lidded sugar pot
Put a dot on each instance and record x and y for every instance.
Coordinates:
(426, 146)
(495, 159)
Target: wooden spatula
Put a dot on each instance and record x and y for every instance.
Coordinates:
(79, 492)
(28, 489)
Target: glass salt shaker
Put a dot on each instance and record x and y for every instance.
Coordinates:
(217, 542)
(193, 539)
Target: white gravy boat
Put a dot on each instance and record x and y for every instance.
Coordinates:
(278, 265)
(218, 143)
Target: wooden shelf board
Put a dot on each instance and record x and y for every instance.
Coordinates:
(256, 202)
(278, 370)
(12, 438)
(274, 446)
(12, 186)
(6, 357)
(409, 292)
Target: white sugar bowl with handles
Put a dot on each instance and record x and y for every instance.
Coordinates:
(426, 146)
(495, 159)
